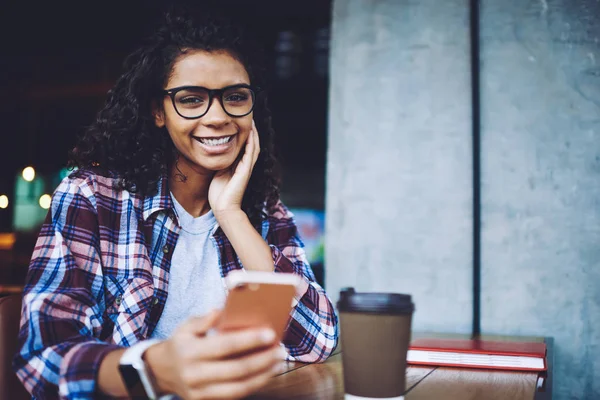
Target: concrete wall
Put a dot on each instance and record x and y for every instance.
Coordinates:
(541, 180)
(398, 165)
(399, 171)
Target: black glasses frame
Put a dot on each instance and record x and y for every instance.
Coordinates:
(211, 94)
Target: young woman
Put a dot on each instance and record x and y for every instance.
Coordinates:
(176, 187)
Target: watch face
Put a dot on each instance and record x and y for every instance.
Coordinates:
(132, 381)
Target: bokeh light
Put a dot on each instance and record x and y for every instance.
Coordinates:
(28, 174)
(3, 201)
(45, 201)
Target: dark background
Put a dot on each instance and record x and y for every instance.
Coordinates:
(59, 59)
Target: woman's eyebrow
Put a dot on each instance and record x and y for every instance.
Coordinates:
(210, 87)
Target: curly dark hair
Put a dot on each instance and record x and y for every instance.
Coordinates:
(124, 138)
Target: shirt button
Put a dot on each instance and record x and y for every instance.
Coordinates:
(118, 300)
(165, 249)
(154, 301)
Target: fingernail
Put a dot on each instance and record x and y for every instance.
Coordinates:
(211, 332)
(267, 335)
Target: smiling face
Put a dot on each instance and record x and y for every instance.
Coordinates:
(212, 142)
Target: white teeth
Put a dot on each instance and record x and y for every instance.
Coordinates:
(215, 142)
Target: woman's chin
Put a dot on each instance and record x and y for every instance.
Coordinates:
(217, 166)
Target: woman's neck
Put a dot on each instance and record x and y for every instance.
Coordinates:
(190, 188)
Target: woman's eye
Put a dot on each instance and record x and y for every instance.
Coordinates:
(191, 100)
(236, 97)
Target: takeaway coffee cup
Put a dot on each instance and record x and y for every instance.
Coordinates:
(375, 334)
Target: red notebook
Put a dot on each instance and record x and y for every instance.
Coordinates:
(474, 353)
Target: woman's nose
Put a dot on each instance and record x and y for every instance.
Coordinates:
(215, 115)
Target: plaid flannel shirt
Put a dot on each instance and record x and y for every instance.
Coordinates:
(98, 281)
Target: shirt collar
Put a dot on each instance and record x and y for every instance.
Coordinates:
(160, 201)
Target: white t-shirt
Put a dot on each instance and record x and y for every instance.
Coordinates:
(195, 283)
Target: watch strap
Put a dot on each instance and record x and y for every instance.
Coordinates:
(132, 360)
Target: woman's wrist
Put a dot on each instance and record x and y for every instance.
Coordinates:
(156, 359)
(224, 217)
(252, 250)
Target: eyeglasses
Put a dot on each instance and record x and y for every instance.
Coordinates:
(192, 102)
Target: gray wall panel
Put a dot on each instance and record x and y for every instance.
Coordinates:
(399, 164)
(541, 180)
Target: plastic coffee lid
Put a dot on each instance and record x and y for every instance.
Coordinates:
(373, 302)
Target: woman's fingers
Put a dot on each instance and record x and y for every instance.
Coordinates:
(201, 325)
(230, 344)
(251, 152)
(223, 365)
(245, 164)
(250, 144)
(256, 144)
(238, 389)
(240, 368)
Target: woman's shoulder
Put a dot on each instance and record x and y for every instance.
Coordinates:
(279, 213)
(90, 182)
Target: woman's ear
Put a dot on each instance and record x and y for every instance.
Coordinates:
(158, 114)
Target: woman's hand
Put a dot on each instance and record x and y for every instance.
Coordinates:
(222, 366)
(227, 187)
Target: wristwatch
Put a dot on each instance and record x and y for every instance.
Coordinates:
(137, 376)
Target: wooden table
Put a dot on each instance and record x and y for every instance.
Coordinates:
(325, 381)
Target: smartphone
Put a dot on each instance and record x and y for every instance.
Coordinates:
(258, 299)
